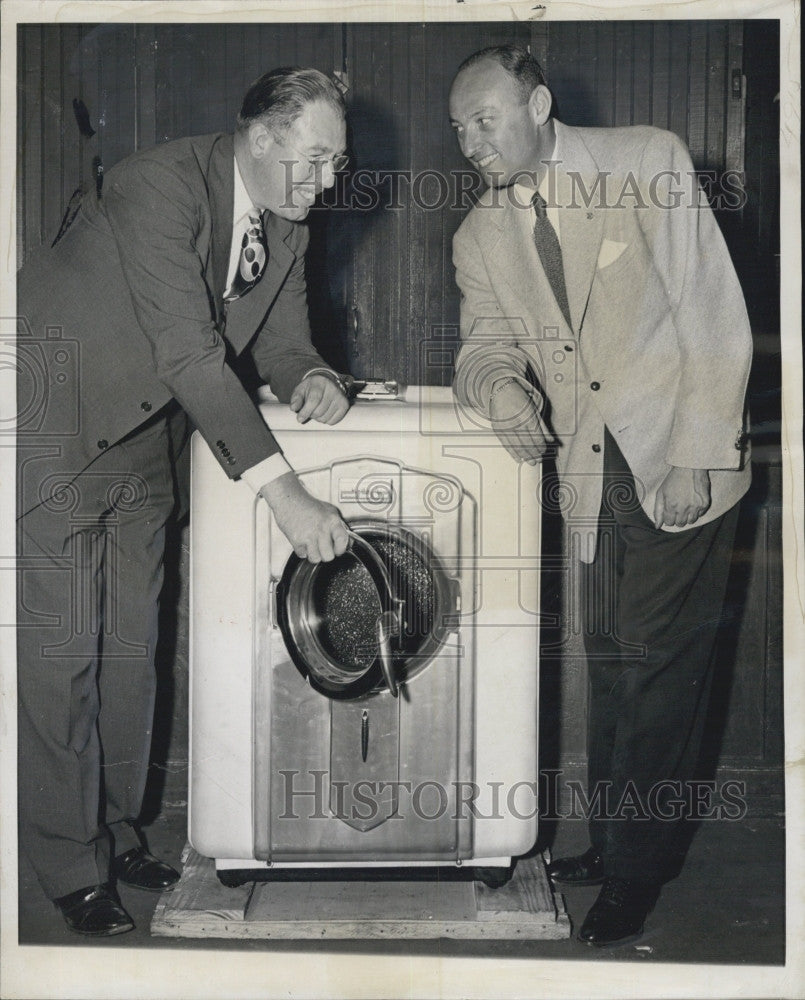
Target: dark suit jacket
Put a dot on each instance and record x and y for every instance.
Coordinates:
(133, 291)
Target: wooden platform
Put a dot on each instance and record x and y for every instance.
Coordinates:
(199, 906)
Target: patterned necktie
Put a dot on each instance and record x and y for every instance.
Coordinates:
(253, 257)
(550, 253)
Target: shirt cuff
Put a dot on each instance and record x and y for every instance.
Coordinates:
(266, 472)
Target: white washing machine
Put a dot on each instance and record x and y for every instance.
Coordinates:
(380, 710)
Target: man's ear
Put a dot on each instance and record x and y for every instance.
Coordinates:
(539, 104)
(260, 140)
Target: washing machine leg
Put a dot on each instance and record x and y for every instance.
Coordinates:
(494, 878)
(234, 877)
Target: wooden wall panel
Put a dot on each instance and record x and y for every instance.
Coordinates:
(718, 97)
(605, 73)
(145, 81)
(29, 141)
(402, 292)
(661, 75)
(53, 128)
(680, 78)
(697, 93)
(670, 74)
(763, 129)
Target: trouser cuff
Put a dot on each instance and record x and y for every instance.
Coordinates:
(80, 875)
(125, 837)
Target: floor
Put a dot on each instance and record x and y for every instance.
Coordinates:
(725, 907)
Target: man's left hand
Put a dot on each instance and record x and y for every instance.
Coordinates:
(683, 497)
(320, 398)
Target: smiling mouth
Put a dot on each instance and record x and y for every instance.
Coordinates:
(306, 194)
(486, 161)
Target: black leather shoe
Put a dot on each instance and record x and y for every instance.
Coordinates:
(142, 870)
(95, 911)
(617, 916)
(583, 869)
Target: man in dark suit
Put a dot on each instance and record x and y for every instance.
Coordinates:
(601, 316)
(193, 256)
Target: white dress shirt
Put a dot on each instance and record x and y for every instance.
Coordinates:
(523, 196)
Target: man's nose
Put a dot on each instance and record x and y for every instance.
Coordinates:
(470, 141)
(325, 176)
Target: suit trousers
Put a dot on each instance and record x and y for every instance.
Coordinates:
(652, 604)
(90, 570)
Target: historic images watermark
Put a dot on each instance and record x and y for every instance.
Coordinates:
(432, 190)
(310, 795)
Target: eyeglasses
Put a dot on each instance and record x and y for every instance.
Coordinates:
(318, 163)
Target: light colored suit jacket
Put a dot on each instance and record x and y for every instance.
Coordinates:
(133, 293)
(659, 347)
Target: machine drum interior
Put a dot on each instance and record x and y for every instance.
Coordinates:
(347, 605)
(329, 612)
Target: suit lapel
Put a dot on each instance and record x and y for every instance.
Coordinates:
(581, 225)
(514, 255)
(222, 195)
(245, 316)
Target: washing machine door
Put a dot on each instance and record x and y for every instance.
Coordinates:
(369, 619)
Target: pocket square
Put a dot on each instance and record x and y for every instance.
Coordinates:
(609, 252)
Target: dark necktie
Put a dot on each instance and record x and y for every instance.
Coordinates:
(550, 253)
(253, 257)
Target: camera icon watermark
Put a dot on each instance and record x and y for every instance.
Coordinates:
(46, 371)
(496, 347)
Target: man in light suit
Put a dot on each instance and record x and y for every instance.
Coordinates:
(192, 257)
(601, 318)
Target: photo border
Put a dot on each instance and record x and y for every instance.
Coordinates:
(104, 972)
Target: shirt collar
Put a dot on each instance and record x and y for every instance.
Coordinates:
(524, 194)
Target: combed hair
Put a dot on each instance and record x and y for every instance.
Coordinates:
(518, 63)
(279, 97)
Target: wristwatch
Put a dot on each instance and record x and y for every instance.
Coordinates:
(344, 382)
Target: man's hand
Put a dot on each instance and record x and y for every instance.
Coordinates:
(517, 423)
(313, 527)
(320, 398)
(682, 498)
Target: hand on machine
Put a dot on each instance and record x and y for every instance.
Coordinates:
(314, 528)
(320, 396)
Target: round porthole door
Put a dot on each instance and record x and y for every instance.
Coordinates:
(370, 619)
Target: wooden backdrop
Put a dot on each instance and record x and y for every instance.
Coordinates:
(382, 287)
(385, 285)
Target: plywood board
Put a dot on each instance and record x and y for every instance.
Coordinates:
(525, 908)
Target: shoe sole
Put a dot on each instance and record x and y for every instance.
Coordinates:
(146, 888)
(576, 882)
(630, 939)
(123, 929)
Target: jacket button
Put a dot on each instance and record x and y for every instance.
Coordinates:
(595, 386)
(145, 406)
(103, 443)
(568, 347)
(596, 448)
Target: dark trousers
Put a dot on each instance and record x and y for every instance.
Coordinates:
(90, 568)
(652, 606)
